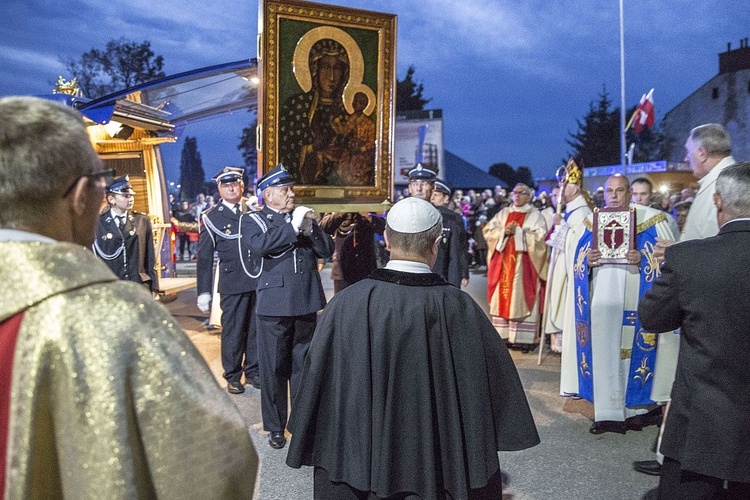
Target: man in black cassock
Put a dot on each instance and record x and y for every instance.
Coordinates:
(407, 391)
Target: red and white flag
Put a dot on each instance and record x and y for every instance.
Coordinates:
(644, 112)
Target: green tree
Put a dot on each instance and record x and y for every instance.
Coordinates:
(597, 141)
(504, 172)
(524, 175)
(192, 176)
(409, 93)
(122, 64)
(249, 151)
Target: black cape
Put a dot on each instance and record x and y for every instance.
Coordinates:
(408, 388)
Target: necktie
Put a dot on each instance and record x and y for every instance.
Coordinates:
(121, 222)
(237, 209)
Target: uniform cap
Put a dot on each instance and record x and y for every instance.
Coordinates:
(412, 215)
(442, 187)
(228, 175)
(420, 172)
(121, 185)
(277, 176)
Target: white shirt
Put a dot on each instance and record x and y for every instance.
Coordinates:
(231, 206)
(18, 235)
(736, 220)
(408, 266)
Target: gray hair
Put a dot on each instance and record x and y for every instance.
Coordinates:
(713, 138)
(44, 148)
(733, 186)
(416, 244)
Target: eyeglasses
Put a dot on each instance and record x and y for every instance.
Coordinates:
(107, 177)
(519, 192)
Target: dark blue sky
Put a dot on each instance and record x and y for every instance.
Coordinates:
(511, 77)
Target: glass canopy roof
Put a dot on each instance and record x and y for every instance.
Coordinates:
(170, 103)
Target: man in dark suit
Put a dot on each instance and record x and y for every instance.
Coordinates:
(219, 232)
(705, 290)
(354, 257)
(124, 239)
(290, 293)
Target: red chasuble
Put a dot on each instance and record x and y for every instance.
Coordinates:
(8, 335)
(502, 270)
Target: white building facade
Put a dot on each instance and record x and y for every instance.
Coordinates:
(724, 99)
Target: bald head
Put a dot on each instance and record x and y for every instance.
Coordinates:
(617, 191)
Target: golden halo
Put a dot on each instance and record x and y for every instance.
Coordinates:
(301, 65)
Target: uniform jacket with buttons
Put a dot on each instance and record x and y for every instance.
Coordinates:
(219, 232)
(452, 262)
(289, 283)
(129, 252)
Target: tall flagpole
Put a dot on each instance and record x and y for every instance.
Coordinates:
(622, 90)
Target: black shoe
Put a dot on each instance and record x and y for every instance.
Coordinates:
(276, 439)
(235, 389)
(608, 426)
(654, 417)
(650, 467)
(254, 381)
(638, 422)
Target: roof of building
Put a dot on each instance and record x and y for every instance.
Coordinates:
(461, 174)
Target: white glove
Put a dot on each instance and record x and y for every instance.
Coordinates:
(252, 204)
(298, 216)
(204, 302)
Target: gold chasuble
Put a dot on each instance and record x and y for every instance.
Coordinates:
(107, 397)
(516, 264)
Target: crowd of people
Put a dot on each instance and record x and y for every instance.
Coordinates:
(401, 387)
(552, 269)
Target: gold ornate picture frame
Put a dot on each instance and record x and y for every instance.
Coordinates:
(614, 233)
(326, 102)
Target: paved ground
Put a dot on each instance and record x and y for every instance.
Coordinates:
(569, 463)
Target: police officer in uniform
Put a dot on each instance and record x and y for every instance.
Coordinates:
(453, 256)
(290, 293)
(219, 232)
(124, 238)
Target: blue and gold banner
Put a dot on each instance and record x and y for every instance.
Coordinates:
(643, 357)
(643, 360)
(583, 317)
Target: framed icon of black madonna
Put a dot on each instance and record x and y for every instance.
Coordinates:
(326, 102)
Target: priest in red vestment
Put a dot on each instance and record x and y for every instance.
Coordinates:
(517, 264)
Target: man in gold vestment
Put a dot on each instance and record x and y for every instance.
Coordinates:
(517, 263)
(101, 394)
